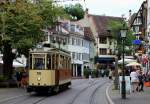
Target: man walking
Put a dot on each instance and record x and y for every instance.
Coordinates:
(141, 81)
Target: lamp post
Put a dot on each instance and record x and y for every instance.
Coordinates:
(123, 83)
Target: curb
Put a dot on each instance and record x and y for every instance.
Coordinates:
(107, 95)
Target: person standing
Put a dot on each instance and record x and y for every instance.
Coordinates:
(18, 77)
(102, 72)
(24, 79)
(141, 80)
(134, 80)
(110, 74)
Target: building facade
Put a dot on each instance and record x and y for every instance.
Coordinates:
(148, 22)
(139, 24)
(74, 38)
(105, 44)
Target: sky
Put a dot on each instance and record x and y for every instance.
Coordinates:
(110, 7)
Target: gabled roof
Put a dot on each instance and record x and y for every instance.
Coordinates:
(132, 18)
(135, 15)
(101, 23)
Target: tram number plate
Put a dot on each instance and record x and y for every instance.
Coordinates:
(38, 73)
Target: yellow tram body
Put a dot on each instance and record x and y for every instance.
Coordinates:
(41, 78)
(50, 70)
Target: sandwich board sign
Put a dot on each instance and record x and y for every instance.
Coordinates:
(128, 84)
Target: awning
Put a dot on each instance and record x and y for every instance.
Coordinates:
(104, 59)
(77, 62)
(15, 64)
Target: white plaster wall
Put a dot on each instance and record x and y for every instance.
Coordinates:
(78, 49)
(148, 14)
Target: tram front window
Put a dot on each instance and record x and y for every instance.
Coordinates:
(39, 63)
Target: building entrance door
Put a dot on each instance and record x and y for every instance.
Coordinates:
(79, 70)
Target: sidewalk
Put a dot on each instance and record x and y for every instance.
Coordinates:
(133, 98)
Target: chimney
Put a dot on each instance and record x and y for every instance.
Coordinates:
(86, 13)
(130, 13)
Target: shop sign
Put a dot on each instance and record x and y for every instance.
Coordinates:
(136, 42)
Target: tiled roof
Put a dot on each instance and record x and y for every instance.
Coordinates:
(101, 24)
(88, 33)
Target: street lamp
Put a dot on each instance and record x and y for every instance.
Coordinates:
(123, 83)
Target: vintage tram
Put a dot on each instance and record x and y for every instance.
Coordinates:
(50, 70)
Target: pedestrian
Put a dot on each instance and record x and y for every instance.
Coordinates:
(141, 80)
(119, 71)
(127, 71)
(18, 77)
(148, 76)
(102, 72)
(24, 79)
(110, 74)
(90, 78)
(107, 72)
(134, 80)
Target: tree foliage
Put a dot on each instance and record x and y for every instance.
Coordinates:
(76, 11)
(21, 23)
(115, 26)
(50, 13)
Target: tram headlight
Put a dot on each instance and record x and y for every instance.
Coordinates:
(39, 78)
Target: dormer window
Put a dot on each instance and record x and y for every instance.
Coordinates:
(72, 28)
(77, 27)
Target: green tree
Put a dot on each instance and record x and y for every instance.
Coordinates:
(115, 26)
(50, 13)
(76, 11)
(21, 23)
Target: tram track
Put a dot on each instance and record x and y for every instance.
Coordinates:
(91, 100)
(81, 83)
(34, 99)
(23, 99)
(12, 98)
(27, 97)
(84, 89)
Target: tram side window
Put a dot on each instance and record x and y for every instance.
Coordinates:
(60, 62)
(39, 63)
(57, 61)
(53, 61)
(69, 63)
(49, 62)
(30, 61)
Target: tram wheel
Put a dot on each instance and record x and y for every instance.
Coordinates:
(56, 89)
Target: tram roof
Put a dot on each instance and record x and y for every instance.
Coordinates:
(49, 50)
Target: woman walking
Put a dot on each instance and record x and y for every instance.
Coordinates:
(24, 79)
(134, 80)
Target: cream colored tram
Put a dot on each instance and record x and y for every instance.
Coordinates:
(50, 70)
